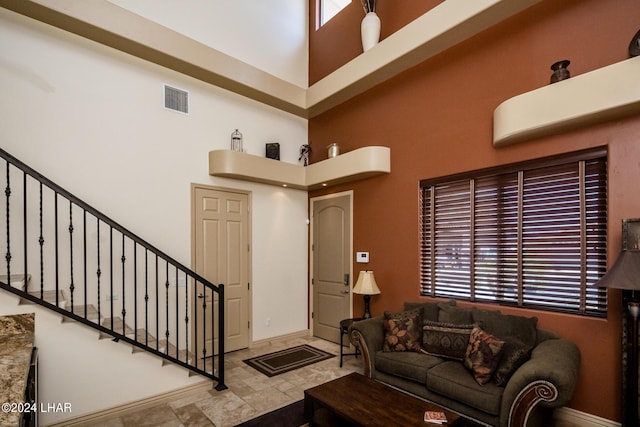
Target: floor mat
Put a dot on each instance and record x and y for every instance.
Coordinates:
(276, 363)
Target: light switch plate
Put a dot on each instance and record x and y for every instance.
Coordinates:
(362, 257)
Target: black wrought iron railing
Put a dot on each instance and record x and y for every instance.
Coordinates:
(63, 254)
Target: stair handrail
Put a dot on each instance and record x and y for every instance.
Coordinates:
(218, 289)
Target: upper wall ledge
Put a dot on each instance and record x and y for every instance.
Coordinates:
(594, 97)
(444, 26)
(361, 163)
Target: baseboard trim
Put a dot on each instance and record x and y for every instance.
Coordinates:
(274, 340)
(134, 406)
(138, 405)
(581, 419)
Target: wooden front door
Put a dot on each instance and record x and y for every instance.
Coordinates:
(331, 274)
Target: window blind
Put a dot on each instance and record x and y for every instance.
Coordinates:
(529, 235)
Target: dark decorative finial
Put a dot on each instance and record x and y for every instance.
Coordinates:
(560, 71)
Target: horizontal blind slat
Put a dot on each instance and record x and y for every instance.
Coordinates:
(553, 276)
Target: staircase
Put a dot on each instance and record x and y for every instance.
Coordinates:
(64, 255)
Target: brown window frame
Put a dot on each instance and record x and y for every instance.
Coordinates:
(538, 230)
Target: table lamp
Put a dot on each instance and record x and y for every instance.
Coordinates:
(366, 285)
(625, 275)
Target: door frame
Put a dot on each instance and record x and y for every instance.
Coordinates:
(249, 238)
(312, 202)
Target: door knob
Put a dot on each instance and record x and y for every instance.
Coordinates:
(346, 291)
(200, 295)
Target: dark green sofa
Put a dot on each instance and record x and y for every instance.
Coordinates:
(538, 370)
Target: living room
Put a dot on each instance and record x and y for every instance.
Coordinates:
(74, 108)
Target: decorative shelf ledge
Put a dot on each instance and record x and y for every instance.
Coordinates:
(354, 165)
(605, 94)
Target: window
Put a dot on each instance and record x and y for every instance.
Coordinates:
(529, 235)
(330, 8)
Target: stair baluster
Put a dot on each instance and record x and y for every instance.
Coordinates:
(59, 261)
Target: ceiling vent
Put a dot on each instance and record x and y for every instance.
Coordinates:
(176, 99)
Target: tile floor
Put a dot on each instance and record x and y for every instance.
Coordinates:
(249, 392)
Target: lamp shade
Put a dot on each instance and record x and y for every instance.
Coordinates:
(625, 273)
(366, 284)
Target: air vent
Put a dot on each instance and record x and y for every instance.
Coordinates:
(176, 99)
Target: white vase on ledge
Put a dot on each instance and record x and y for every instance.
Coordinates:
(370, 31)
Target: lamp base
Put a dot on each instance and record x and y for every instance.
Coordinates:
(367, 301)
(630, 360)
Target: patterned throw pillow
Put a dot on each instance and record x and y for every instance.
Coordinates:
(402, 331)
(445, 339)
(483, 354)
(514, 354)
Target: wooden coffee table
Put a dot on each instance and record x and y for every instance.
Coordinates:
(355, 400)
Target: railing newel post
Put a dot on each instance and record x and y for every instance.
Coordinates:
(123, 259)
(135, 291)
(41, 242)
(24, 229)
(221, 385)
(84, 253)
(71, 285)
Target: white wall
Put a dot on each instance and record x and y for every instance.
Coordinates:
(91, 119)
(76, 367)
(268, 34)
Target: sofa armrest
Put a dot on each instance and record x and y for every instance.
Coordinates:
(548, 378)
(368, 335)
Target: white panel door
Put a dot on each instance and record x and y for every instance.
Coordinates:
(221, 255)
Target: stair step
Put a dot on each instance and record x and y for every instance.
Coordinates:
(17, 280)
(92, 313)
(140, 337)
(50, 297)
(207, 366)
(171, 351)
(118, 325)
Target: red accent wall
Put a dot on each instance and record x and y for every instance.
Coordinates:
(437, 119)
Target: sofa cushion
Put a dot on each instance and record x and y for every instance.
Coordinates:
(483, 354)
(445, 339)
(408, 365)
(402, 331)
(430, 310)
(453, 314)
(514, 354)
(506, 326)
(451, 379)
